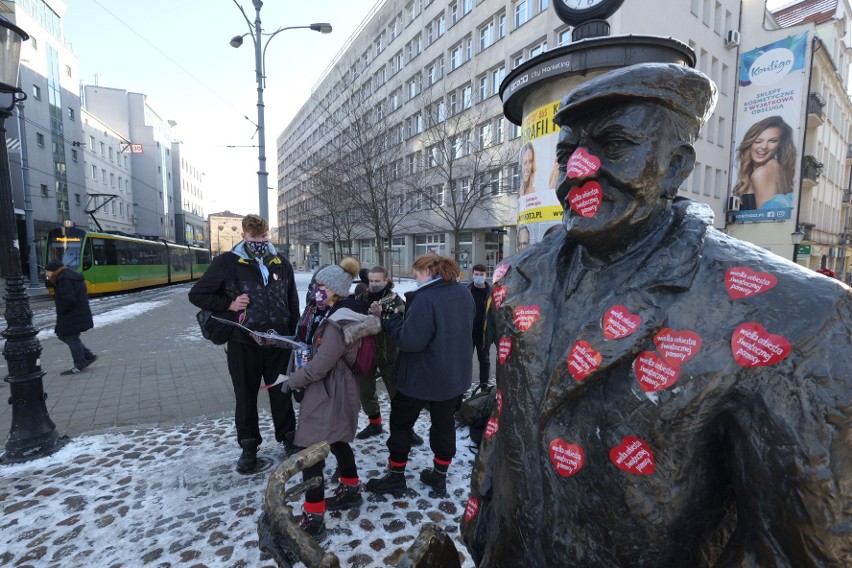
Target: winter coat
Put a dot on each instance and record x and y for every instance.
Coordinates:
(433, 338)
(330, 405)
(482, 301)
(73, 314)
(591, 465)
(391, 302)
(273, 304)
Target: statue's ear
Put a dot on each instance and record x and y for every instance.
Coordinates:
(681, 164)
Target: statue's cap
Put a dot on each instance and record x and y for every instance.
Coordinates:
(676, 87)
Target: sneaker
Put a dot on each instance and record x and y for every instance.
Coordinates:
(345, 497)
(435, 479)
(313, 524)
(371, 430)
(92, 359)
(248, 460)
(415, 439)
(73, 371)
(391, 482)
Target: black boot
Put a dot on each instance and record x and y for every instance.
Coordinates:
(313, 524)
(416, 440)
(248, 459)
(391, 482)
(436, 480)
(372, 429)
(345, 497)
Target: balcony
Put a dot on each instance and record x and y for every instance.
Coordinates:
(811, 170)
(816, 104)
(847, 197)
(844, 239)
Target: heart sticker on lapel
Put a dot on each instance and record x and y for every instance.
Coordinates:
(499, 402)
(653, 372)
(743, 282)
(618, 322)
(583, 360)
(633, 456)
(586, 199)
(499, 273)
(526, 316)
(567, 458)
(677, 347)
(753, 346)
(499, 295)
(582, 164)
(491, 427)
(504, 348)
(471, 509)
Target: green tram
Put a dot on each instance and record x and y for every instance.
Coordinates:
(114, 263)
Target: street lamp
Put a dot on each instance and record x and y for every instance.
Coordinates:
(33, 433)
(796, 237)
(256, 33)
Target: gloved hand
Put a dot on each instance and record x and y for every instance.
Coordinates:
(281, 380)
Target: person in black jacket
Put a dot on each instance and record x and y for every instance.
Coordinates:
(73, 315)
(434, 369)
(481, 292)
(257, 283)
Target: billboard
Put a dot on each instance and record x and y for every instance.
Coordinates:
(772, 91)
(538, 206)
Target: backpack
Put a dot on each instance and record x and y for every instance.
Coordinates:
(475, 411)
(365, 359)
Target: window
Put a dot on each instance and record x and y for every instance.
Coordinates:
(411, 164)
(501, 25)
(454, 13)
(34, 43)
(482, 90)
(497, 76)
(456, 56)
(413, 87)
(517, 60)
(70, 113)
(395, 100)
(563, 37)
(36, 91)
(103, 149)
(112, 180)
(92, 143)
(74, 154)
(44, 190)
(68, 71)
(103, 175)
(538, 49)
(486, 36)
(467, 96)
(434, 154)
(40, 139)
(522, 12)
(110, 154)
(94, 172)
(467, 6)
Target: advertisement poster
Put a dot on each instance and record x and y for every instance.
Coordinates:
(765, 166)
(538, 207)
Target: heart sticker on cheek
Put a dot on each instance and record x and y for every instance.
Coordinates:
(753, 346)
(653, 372)
(504, 349)
(567, 458)
(499, 273)
(743, 282)
(583, 360)
(582, 164)
(677, 347)
(471, 509)
(499, 402)
(586, 199)
(499, 295)
(633, 456)
(526, 316)
(618, 322)
(491, 427)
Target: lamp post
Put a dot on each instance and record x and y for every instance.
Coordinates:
(796, 237)
(256, 33)
(33, 433)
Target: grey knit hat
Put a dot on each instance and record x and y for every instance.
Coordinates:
(338, 279)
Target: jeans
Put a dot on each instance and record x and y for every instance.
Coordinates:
(79, 352)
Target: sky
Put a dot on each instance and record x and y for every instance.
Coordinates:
(178, 54)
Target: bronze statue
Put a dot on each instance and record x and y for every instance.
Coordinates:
(668, 396)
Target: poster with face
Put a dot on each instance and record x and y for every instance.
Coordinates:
(538, 206)
(768, 138)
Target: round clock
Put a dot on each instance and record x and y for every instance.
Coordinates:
(575, 12)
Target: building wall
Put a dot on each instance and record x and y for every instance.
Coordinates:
(188, 183)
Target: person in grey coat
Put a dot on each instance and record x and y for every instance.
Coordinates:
(434, 369)
(330, 402)
(73, 315)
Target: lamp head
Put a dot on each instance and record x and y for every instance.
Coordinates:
(11, 37)
(323, 28)
(236, 41)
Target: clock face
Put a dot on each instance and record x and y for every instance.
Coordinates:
(575, 12)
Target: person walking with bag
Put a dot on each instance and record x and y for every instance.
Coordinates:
(73, 315)
(257, 283)
(329, 406)
(433, 369)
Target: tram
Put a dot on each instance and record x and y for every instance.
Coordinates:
(115, 262)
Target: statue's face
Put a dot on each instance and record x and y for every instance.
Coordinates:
(627, 141)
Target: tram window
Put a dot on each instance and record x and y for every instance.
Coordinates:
(87, 256)
(99, 252)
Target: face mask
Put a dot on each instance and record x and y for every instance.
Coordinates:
(376, 288)
(258, 248)
(321, 296)
(478, 280)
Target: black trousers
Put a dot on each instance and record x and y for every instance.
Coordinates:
(345, 461)
(482, 356)
(248, 364)
(442, 433)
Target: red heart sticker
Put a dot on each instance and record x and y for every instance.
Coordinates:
(471, 509)
(526, 316)
(586, 199)
(583, 360)
(653, 372)
(491, 427)
(618, 322)
(677, 347)
(504, 348)
(499, 273)
(743, 282)
(582, 164)
(633, 456)
(567, 458)
(499, 295)
(499, 402)
(753, 346)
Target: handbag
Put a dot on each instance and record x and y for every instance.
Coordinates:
(476, 409)
(215, 331)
